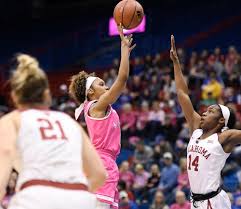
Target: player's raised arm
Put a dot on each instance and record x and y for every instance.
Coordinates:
(8, 136)
(230, 139)
(192, 117)
(115, 91)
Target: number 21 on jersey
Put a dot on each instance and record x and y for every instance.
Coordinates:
(51, 130)
(193, 163)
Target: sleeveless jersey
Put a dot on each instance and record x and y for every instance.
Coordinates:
(50, 146)
(105, 135)
(205, 161)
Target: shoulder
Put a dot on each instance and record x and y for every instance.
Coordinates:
(12, 116)
(231, 135)
(92, 110)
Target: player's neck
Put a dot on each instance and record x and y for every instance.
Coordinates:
(208, 133)
(32, 106)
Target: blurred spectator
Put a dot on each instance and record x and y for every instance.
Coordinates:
(156, 119)
(127, 120)
(231, 59)
(124, 98)
(64, 95)
(159, 201)
(112, 77)
(218, 55)
(148, 63)
(156, 158)
(145, 95)
(204, 55)
(125, 203)
(181, 55)
(140, 180)
(143, 153)
(180, 149)
(181, 202)
(167, 184)
(193, 60)
(182, 180)
(237, 198)
(154, 87)
(138, 66)
(157, 114)
(184, 133)
(165, 146)
(214, 64)
(135, 86)
(211, 90)
(152, 182)
(169, 130)
(230, 178)
(126, 175)
(142, 119)
(116, 63)
(122, 187)
(169, 84)
(231, 200)
(68, 108)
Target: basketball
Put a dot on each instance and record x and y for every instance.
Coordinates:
(129, 13)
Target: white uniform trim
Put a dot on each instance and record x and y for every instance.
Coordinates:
(110, 199)
(115, 204)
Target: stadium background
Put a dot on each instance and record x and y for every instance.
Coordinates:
(69, 35)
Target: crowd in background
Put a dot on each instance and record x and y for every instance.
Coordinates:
(153, 161)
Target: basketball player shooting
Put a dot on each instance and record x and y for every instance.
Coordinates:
(49, 149)
(211, 143)
(103, 124)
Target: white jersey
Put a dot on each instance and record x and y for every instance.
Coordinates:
(205, 161)
(50, 146)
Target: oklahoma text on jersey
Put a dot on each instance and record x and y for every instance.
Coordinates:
(200, 150)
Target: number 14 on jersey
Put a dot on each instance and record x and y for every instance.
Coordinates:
(193, 164)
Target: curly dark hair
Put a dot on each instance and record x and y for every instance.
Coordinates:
(77, 86)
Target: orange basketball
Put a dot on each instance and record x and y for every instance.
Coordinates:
(129, 13)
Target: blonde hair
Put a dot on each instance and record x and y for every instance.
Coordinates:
(28, 81)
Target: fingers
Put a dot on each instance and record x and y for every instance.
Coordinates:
(126, 40)
(173, 47)
(130, 41)
(129, 36)
(132, 47)
(120, 30)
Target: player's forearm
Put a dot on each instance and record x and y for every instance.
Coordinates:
(179, 78)
(5, 164)
(124, 68)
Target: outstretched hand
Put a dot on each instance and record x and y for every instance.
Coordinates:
(126, 41)
(173, 51)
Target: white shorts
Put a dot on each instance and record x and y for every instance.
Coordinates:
(221, 201)
(44, 197)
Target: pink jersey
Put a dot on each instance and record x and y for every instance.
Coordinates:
(105, 135)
